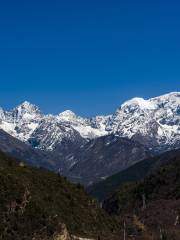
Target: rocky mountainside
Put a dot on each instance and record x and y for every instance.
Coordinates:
(103, 156)
(21, 121)
(45, 132)
(154, 122)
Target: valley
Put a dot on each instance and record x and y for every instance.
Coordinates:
(128, 161)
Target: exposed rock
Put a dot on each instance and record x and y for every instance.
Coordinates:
(63, 235)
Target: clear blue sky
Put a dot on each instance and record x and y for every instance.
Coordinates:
(88, 55)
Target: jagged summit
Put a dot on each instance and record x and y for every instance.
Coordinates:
(27, 107)
(154, 122)
(26, 104)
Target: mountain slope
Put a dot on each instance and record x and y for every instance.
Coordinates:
(150, 207)
(20, 150)
(109, 151)
(103, 189)
(103, 156)
(34, 202)
(52, 160)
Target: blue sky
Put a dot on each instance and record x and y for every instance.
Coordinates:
(88, 56)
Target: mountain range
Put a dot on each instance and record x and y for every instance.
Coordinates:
(73, 145)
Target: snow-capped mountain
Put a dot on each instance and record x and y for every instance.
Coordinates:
(51, 132)
(28, 124)
(154, 123)
(21, 121)
(87, 127)
(89, 149)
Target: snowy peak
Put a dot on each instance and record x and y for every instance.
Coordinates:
(153, 103)
(26, 111)
(88, 128)
(139, 102)
(27, 105)
(67, 115)
(154, 122)
(21, 121)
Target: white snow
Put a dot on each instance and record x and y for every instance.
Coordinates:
(157, 118)
(89, 132)
(8, 127)
(67, 115)
(142, 103)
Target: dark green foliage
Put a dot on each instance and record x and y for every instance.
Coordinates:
(104, 188)
(160, 191)
(162, 183)
(31, 199)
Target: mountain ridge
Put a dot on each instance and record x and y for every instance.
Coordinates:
(154, 121)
